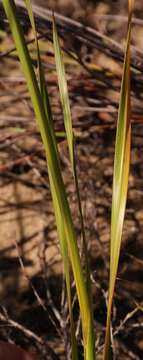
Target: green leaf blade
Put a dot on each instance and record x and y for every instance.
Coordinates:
(120, 182)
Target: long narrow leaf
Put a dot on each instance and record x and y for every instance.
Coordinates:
(63, 89)
(62, 83)
(120, 181)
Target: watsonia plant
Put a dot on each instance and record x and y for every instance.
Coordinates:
(66, 232)
(61, 205)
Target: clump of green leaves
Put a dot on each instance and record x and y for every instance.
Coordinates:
(66, 232)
